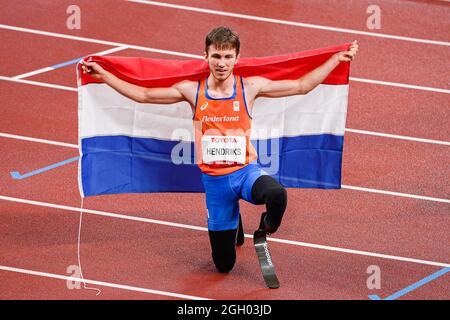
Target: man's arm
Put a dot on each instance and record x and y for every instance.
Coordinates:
(266, 88)
(177, 93)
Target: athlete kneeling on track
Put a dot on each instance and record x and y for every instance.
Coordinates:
(222, 104)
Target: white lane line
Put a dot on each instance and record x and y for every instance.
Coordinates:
(182, 54)
(399, 85)
(372, 133)
(397, 194)
(186, 226)
(46, 69)
(392, 193)
(394, 136)
(359, 252)
(102, 213)
(32, 73)
(363, 132)
(57, 143)
(290, 23)
(40, 84)
(101, 283)
(109, 43)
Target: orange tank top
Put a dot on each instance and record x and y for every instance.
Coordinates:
(222, 131)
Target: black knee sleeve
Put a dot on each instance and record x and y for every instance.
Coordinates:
(223, 245)
(266, 190)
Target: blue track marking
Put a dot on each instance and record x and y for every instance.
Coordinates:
(16, 175)
(60, 65)
(413, 286)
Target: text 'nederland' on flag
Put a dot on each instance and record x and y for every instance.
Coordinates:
(129, 147)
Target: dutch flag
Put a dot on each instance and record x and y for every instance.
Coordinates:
(128, 147)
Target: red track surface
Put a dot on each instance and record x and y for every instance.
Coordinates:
(146, 255)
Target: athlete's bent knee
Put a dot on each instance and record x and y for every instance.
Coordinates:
(277, 196)
(268, 191)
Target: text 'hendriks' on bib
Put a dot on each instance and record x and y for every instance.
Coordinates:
(223, 149)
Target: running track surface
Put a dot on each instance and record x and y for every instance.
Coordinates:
(176, 259)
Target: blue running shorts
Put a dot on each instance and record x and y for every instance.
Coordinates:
(223, 194)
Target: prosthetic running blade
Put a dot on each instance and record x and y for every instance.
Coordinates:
(265, 260)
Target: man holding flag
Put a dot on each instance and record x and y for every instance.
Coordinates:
(222, 107)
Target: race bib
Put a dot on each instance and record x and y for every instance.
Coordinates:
(223, 149)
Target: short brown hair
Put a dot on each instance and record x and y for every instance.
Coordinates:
(223, 38)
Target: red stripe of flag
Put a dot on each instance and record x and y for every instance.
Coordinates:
(164, 73)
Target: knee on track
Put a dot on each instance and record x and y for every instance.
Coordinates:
(223, 246)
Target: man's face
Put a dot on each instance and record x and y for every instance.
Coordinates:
(221, 62)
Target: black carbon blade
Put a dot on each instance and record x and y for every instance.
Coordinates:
(265, 260)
